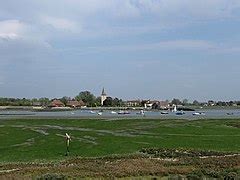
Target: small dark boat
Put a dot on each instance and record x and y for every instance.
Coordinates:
(179, 113)
(198, 114)
(123, 112)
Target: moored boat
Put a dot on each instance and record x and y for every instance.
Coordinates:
(123, 112)
(180, 113)
(99, 113)
(141, 112)
(198, 114)
(164, 112)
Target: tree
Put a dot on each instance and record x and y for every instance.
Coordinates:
(176, 101)
(117, 102)
(185, 102)
(44, 101)
(65, 99)
(155, 106)
(143, 102)
(98, 101)
(108, 102)
(195, 103)
(87, 97)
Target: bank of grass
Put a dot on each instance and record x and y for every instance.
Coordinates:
(28, 140)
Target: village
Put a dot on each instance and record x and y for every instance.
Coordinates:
(86, 100)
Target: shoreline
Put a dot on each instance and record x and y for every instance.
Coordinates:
(42, 108)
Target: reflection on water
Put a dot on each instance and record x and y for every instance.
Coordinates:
(154, 114)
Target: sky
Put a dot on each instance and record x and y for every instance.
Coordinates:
(136, 49)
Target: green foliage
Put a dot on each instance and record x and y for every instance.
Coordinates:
(108, 102)
(15, 102)
(176, 101)
(87, 97)
(185, 102)
(65, 99)
(44, 101)
(196, 103)
(23, 102)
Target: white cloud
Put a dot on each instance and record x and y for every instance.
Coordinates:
(11, 29)
(95, 18)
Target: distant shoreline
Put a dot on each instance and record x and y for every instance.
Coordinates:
(46, 109)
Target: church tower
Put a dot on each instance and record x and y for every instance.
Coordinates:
(103, 96)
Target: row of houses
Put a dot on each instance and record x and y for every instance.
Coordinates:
(154, 104)
(70, 103)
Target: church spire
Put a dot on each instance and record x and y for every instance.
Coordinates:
(103, 92)
(103, 96)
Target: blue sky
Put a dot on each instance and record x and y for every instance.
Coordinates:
(136, 49)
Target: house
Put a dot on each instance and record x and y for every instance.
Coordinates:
(211, 103)
(148, 103)
(56, 103)
(155, 104)
(164, 104)
(133, 103)
(74, 103)
(36, 103)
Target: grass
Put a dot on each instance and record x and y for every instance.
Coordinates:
(28, 140)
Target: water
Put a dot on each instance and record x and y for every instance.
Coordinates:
(149, 114)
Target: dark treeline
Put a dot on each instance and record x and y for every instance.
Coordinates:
(85, 96)
(24, 102)
(92, 101)
(185, 102)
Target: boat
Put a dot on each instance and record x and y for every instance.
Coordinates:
(174, 109)
(141, 112)
(99, 113)
(164, 112)
(123, 112)
(198, 114)
(113, 112)
(92, 112)
(229, 114)
(180, 113)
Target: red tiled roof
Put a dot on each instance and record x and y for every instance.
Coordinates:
(56, 103)
(74, 103)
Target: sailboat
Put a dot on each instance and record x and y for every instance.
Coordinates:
(141, 112)
(198, 114)
(99, 113)
(174, 109)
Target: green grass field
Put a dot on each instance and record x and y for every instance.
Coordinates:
(43, 139)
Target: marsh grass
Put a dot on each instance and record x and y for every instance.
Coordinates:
(29, 140)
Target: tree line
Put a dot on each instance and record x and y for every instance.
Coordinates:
(185, 102)
(85, 96)
(91, 100)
